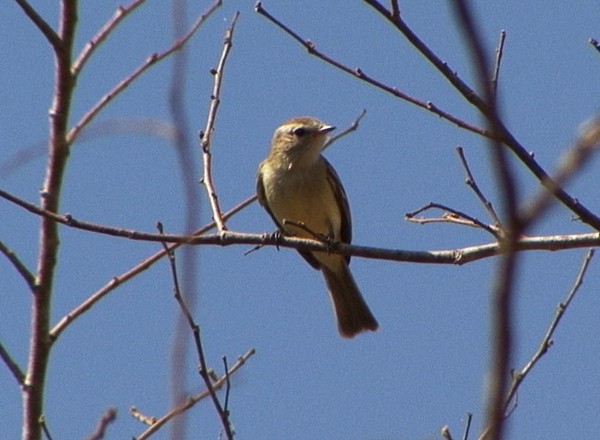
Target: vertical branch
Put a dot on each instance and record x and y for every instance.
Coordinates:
(503, 283)
(58, 152)
(191, 193)
(206, 136)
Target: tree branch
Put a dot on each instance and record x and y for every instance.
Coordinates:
(150, 61)
(41, 24)
(13, 367)
(219, 383)
(361, 75)
(121, 13)
(19, 266)
(457, 256)
(206, 136)
(131, 273)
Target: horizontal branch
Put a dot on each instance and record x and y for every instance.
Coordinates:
(457, 256)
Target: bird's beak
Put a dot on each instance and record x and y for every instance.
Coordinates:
(326, 128)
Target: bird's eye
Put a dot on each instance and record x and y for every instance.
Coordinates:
(300, 131)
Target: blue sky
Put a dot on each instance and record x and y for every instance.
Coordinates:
(426, 366)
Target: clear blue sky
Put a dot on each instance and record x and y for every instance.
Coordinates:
(426, 366)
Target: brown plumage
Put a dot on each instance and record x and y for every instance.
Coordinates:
(296, 183)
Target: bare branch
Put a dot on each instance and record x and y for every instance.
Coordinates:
(352, 127)
(505, 273)
(12, 365)
(50, 195)
(360, 74)
(452, 216)
(150, 61)
(195, 399)
(102, 34)
(107, 418)
(131, 273)
(395, 9)
(468, 93)
(519, 376)
(111, 127)
(470, 180)
(41, 24)
(206, 137)
(457, 256)
(547, 341)
(574, 159)
(499, 53)
(19, 266)
(44, 426)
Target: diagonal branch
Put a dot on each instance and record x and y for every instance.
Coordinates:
(12, 365)
(103, 33)
(219, 383)
(195, 328)
(504, 133)
(19, 266)
(131, 273)
(150, 61)
(472, 183)
(360, 74)
(41, 24)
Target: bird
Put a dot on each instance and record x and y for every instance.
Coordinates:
(304, 196)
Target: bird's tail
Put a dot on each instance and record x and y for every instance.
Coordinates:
(351, 310)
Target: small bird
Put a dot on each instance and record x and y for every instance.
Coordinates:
(303, 194)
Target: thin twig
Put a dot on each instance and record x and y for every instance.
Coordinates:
(102, 34)
(44, 426)
(131, 273)
(498, 62)
(227, 387)
(468, 426)
(109, 416)
(360, 74)
(19, 266)
(123, 84)
(302, 226)
(472, 183)
(352, 127)
(455, 216)
(204, 371)
(395, 9)
(12, 366)
(141, 417)
(206, 136)
(219, 383)
(41, 24)
(547, 341)
(445, 431)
